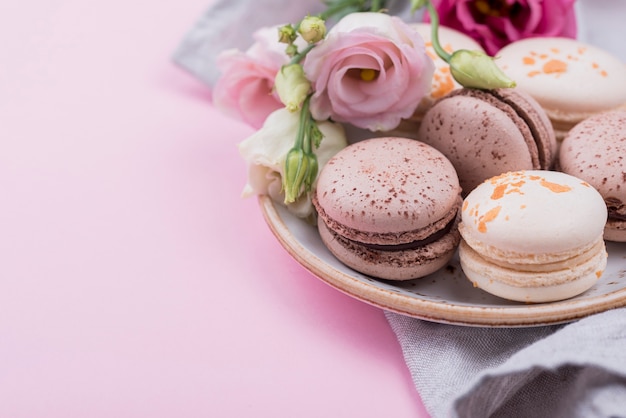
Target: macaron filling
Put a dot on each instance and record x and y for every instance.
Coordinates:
(616, 208)
(397, 264)
(383, 240)
(532, 275)
(413, 244)
(534, 286)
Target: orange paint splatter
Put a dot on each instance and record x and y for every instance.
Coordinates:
(498, 192)
(533, 73)
(603, 73)
(514, 190)
(528, 60)
(598, 274)
(595, 65)
(555, 50)
(474, 210)
(554, 66)
(445, 86)
(465, 205)
(488, 217)
(554, 187)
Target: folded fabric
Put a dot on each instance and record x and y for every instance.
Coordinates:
(573, 370)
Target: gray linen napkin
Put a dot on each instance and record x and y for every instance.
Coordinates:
(573, 370)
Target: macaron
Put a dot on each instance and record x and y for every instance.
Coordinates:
(570, 79)
(442, 83)
(533, 236)
(595, 151)
(389, 208)
(488, 132)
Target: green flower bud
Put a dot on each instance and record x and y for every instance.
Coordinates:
(296, 173)
(475, 69)
(311, 172)
(292, 86)
(312, 29)
(291, 50)
(287, 34)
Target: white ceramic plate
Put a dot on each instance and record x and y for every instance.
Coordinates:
(445, 296)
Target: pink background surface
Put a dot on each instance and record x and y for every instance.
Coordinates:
(134, 280)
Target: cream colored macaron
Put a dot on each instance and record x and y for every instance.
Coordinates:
(570, 79)
(533, 236)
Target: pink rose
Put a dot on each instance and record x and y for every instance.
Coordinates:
(371, 70)
(496, 23)
(245, 89)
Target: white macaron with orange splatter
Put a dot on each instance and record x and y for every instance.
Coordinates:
(533, 236)
(570, 79)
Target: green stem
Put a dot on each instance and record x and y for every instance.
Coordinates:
(434, 34)
(338, 7)
(303, 128)
(305, 121)
(301, 54)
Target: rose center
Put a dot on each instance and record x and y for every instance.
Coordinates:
(367, 74)
(494, 8)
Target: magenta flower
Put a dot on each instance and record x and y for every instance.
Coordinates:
(496, 23)
(371, 71)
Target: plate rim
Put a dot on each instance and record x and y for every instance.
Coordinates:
(435, 311)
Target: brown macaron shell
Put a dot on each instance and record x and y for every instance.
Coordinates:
(486, 133)
(389, 208)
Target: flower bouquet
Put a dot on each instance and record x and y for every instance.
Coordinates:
(355, 70)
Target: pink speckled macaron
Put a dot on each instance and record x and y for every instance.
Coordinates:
(570, 79)
(489, 132)
(389, 208)
(533, 236)
(595, 151)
